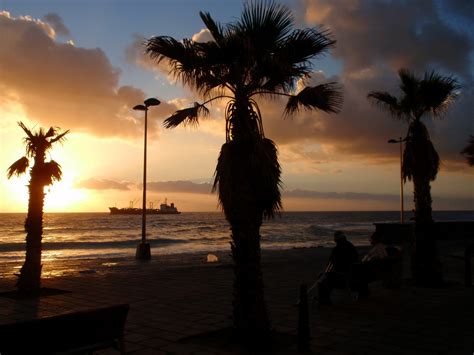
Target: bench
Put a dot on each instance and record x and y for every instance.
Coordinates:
(387, 270)
(78, 332)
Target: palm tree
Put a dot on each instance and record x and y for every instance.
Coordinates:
(260, 55)
(430, 95)
(42, 174)
(468, 151)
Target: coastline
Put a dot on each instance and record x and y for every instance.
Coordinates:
(107, 265)
(102, 266)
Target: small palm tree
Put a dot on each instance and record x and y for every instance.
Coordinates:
(468, 151)
(260, 55)
(42, 174)
(430, 95)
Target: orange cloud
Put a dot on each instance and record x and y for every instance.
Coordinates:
(58, 84)
(102, 184)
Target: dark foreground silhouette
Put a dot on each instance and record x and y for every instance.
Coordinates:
(259, 55)
(420, 97)
(42, 173)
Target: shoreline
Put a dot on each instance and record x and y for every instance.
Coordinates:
(102, 266)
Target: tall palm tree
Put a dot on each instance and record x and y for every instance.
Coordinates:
(259, 55)
(468, 151)
(420, 97)
(42, 174)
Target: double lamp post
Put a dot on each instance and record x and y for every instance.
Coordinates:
(143, 248)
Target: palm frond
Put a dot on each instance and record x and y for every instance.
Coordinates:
(248, 176)
(51, 171)
(325, 97)
(187, 116)
(192, 63)
(438, 92)
(267, 20)
(468, 151)
(165, 47)
(214, 27)
(386, 102)
(28, 132)
(19, 167)
(409, 83)
(51, 132)
(305, 44)
(279, 68)
(59, 138)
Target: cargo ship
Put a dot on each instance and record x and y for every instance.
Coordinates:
(164, 209)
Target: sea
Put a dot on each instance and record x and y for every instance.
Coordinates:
(101, 235)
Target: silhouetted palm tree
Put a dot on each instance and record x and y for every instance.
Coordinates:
(260, 55)
(468, 151)
(420, 97)
(42, 174)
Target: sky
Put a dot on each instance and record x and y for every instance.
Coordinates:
(79, 65)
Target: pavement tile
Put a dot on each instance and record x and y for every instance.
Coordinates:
(170, 303)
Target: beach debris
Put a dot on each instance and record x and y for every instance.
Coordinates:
(212, 258)
(109, 264)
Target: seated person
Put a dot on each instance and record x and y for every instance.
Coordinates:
(371, 264)
(378, 250)
(343, 257)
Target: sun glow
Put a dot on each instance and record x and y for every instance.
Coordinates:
(62, 196)
(59, 197)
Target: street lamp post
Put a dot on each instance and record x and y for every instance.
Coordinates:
(143, 249)
(400, 141)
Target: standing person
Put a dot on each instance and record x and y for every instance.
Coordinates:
(343, 257)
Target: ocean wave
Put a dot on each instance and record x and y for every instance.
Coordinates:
(320, 231)
(8, 247)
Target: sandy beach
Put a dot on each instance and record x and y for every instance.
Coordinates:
(175, 297)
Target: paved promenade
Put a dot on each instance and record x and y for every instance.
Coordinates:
(169, 302)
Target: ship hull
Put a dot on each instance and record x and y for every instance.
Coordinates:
(139, 211)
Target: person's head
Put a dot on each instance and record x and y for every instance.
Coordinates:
(375, 238)
(339, 237)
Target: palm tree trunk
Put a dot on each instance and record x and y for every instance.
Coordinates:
(242, 208)
(29, 281)
(249, 310)
(250, 316)
(427, 270)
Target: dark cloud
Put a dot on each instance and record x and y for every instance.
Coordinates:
(182, 186)
(394, 33)
(103, 184)
(367, 199)
(375, 39)
(59, 84)
(56, 23)
(179, 186)
(340, 195)
(461, 9)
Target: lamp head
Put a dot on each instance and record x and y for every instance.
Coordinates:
(140, 107)
(393, 141)
(152, 102)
